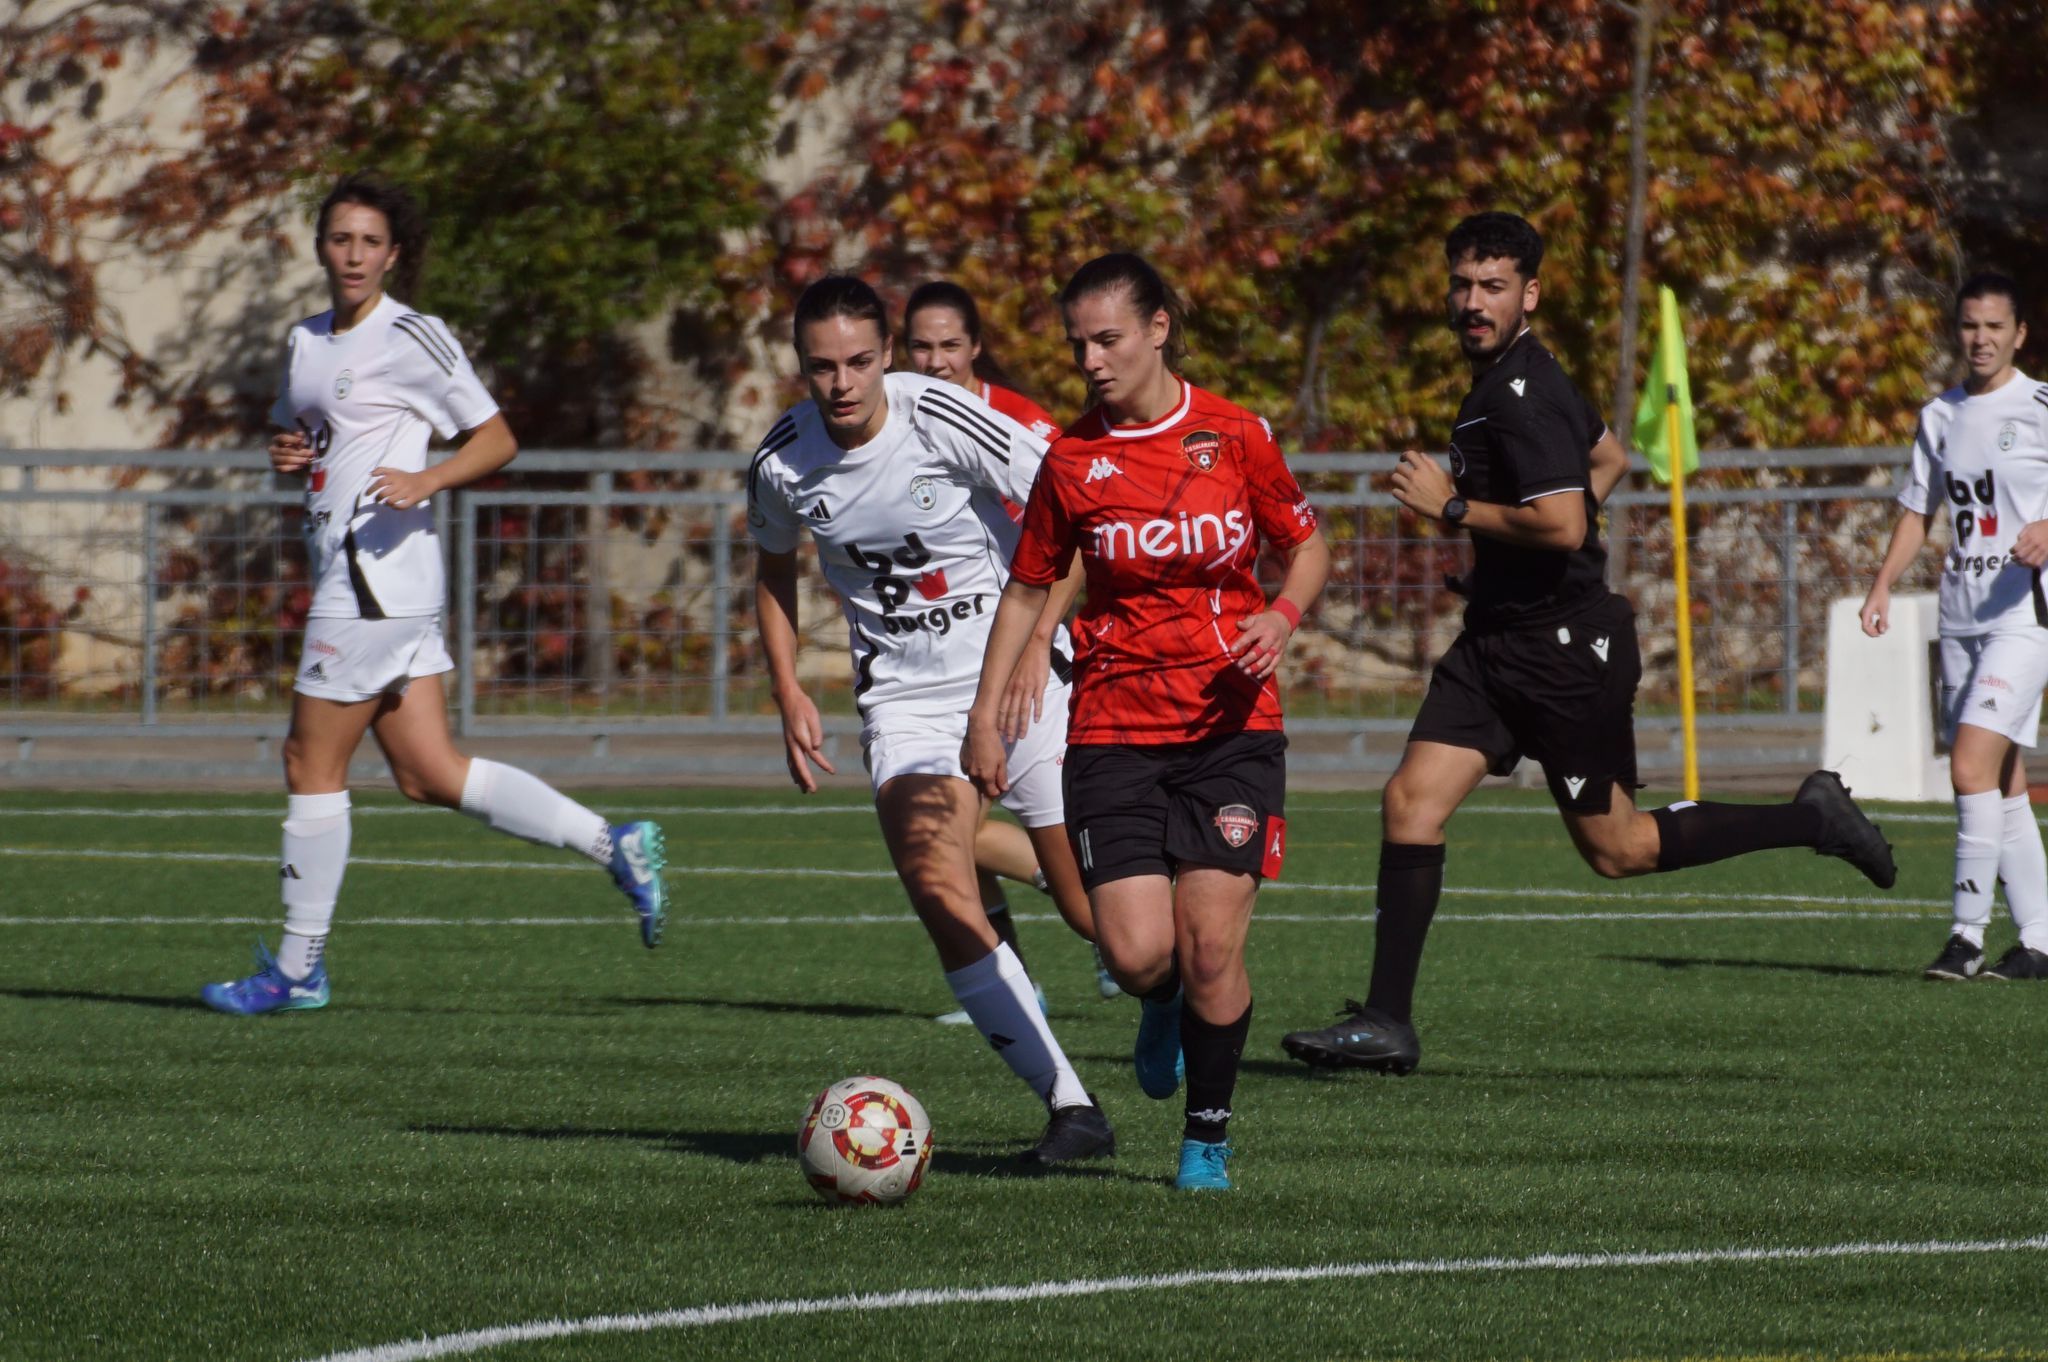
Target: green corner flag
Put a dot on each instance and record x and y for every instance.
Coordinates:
(1667, 371)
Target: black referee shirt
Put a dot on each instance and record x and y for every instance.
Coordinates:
(1525, 432)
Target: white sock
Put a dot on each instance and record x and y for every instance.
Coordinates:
(1980, 829)
(512, 801)
(997, 994)
(316, 831)
(2023, 865)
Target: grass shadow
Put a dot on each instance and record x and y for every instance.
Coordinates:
(83, 996)
(771, 1005)
(1681, 962)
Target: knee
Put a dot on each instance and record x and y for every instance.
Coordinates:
(303, 774)
(1407, 815)
(1206, 964)
(1136, 969)
(424, 786)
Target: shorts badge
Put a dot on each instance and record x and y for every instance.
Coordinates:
(1237, 823)
(1202, 448)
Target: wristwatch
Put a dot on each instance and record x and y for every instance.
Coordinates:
(1454, 511)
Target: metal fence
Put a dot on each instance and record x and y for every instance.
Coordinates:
(601, 595)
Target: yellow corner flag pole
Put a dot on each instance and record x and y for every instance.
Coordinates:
(1664, 433)
(1682, 581)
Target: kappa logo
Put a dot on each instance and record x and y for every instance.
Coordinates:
(1237, 823)
(1574, 784)
(1044, 430)
(1102, 468)
(1600, 647)
(1518, 384)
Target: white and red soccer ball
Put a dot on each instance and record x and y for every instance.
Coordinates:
(865, 1141)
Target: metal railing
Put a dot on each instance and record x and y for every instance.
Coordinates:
(163, 593)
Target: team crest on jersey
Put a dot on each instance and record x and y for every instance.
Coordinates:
(344, 382)
(2008, 436)
(1202, 448)
(1237, 823)
(923, 494)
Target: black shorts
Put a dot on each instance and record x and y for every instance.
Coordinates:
(1564, 694)
(1149, 810)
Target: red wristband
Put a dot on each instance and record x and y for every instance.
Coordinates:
(1287, 610)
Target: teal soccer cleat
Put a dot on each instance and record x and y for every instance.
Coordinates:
(1156, 1056)
(1203, 1167)
(267, 990)
(638, 858)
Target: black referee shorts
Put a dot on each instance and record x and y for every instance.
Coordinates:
(1564, 694)
(1149, 810)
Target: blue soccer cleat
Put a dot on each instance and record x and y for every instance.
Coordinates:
(267, 990)
(638, 858)
(1157, 1056)
(1202, 1167)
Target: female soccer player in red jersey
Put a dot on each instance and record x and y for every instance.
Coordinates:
(1176, 767)
(942, 330)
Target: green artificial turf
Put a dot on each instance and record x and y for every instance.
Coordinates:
(497, 1123)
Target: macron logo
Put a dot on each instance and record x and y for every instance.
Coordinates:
(1600, 647)
(1518, 384)
(1100, 469)
(1574, 784)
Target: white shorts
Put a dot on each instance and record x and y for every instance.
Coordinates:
(349, 659)
(1994, 681)
(929, 745)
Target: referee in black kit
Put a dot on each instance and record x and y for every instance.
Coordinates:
(1547, 664)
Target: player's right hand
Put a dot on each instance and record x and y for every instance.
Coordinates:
(290, 451)
(803, 741)
(1876, 612)
(984, 758)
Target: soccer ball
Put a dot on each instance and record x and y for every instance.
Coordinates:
(865, 1141)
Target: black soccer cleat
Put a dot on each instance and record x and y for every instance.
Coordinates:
(1844, 830)
(1073, 1133)
(1959, 960)
(1363, 1039)
(2020, 962)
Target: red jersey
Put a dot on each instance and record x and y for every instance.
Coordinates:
(1025, 413)
(1167, 518)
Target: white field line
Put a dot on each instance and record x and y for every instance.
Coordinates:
(756, 811)
(905, 919)
(1868, 903)
(697, 1317)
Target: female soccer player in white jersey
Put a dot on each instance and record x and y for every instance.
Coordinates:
(901, 481)
(942, 332)
(366, 384)
(1982, 450)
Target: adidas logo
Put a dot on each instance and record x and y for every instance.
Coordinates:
(1100, 469)
(1574, 784)
(316, 672)
(820, 512)
(288, 871)
(998, 1041)
(1988, 703)
(1966, 887)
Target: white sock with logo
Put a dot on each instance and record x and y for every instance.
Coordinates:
(512, 801)
(316, 833)
(996, 992)
(2023, 865)
(1980, 831)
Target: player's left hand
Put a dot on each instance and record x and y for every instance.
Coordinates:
(2031, 547)
(1420, 483)
(1023, 701)
(1261, 638)
(398, 489)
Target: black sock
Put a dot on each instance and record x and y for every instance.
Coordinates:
(1411, 881)
(1212, 1053)
(1700, 834)
(1166, 989)
(1006, 929)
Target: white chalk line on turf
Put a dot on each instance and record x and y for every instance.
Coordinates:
(762, 811)
(697, 1317)
(1869, 903)
(906, 919)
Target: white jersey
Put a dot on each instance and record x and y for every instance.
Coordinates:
(1986, 458)
(911, 531)
(371, 398)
